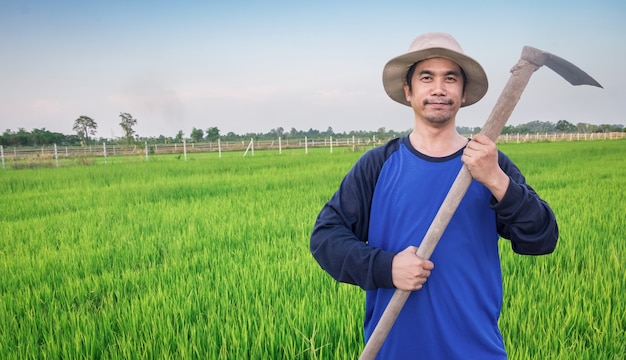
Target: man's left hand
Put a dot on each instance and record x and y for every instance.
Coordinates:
(481, 158)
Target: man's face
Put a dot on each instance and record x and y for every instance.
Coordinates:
(437, 90)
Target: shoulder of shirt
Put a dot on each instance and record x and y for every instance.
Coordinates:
(372, 161)
(384, 151)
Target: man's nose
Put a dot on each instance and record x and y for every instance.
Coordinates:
(438, 87)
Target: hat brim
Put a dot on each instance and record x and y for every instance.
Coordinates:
(394, 73)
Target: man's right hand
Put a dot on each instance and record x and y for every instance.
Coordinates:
(409, 271)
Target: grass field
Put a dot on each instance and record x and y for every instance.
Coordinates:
(208, 258)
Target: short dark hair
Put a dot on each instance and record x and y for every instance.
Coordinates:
(409, 76)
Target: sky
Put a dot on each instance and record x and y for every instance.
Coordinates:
(248, 66)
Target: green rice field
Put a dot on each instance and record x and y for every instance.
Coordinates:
(209, 258)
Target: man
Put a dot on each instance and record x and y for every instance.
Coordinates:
(368, 233)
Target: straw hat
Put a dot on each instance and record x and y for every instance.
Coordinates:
(428, 46)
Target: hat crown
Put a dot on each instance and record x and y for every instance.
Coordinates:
(435, 40)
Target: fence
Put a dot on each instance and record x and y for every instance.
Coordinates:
(560, 137)
(114, 150)
(49, 155)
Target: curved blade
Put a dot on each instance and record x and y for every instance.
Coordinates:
(570, 72)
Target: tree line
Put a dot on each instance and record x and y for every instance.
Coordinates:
(561, 126)
(86, 129)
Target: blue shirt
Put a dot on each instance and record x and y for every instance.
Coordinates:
(456, 312)
(385, 203)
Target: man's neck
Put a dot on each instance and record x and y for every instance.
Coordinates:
(437, 142)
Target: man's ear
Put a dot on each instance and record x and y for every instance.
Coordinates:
(407, 92)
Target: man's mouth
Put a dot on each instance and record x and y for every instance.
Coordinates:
(443, 101)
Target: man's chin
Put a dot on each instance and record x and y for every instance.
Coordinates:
(438, 120)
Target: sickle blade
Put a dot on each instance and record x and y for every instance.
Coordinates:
(570, 72)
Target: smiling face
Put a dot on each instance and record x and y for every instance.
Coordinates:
(436, 91)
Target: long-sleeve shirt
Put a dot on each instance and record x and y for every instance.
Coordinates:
(386, 203)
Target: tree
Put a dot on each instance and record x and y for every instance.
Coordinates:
(179, 136)
(380, 132)
(85, 126)
(539, 126)
(231, 136)
(586, 128)
(196, 135)
(22, 137)
(45, 137)
(508, 129)
(565, 126)
(212, 134)
(280, 131)
(127, 124)
(312, 133)
(609, 128)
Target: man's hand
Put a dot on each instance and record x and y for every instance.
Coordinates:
(409, 271)
(481, 158)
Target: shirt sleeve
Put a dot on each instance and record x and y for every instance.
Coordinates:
(339, 238)
(523, 217)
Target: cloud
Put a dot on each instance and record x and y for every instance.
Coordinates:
(45, 107)
(337, 95)
(247, 93)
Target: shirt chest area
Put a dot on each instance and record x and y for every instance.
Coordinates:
(408, 194)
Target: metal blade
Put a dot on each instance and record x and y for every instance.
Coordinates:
(570, 72)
